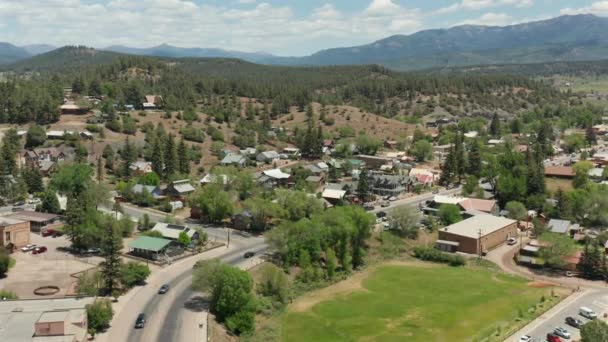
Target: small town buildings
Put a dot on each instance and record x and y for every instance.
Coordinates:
(563, 226)
(479, 205)
(267, 157)
(373, 162)
(57, 135)
(172, 231)
(249, 151)
(71, 108)
(291, 153)
(272, 178)
(477, 234)
(45, 320)
(152, 102)
(424, 176)
(155, 191)
(317, 168)
(233, 159)
(140, 168)
(155, 249)
(494, 142)
(471, 134)
(391, 144)
(596, 173)
(44, 156)
(389, 185)
(38, 221)
(559, 171)
(333, 196)
(14, 233)
(180, 188)
(211, 178)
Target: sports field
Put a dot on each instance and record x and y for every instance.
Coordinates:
(413, 303)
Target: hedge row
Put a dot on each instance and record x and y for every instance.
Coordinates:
(435, 255)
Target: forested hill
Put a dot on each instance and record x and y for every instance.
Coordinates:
(183, 83)
(582, 69)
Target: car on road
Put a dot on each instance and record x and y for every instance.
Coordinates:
(511, 241)
(435, 191)
(248, 255)
(34, 201)
(16, 209)
(553, 338)
(140, 322)
(93, 250)
(525, 338)
(48, 232)
(574, 322)
(19, 203)
(163, 289)
(392, 199)
(28, 248)
(39, 250)
(561, 332)
(381, 214)
(385, 204)
(587, 313)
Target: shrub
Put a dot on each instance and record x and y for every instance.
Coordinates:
(435, 255)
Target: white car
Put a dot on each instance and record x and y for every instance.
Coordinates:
(525, 338)
(561, 332)
(28, 248)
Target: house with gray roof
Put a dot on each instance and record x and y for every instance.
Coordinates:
(268, 156)
(180, 188)
(233, 159)
(562, 226)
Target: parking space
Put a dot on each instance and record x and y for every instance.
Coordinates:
(596, 301)
(51, 268)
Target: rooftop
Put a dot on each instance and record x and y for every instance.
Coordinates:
(149, 243)
(35, 216)
(276, 174)
(54, 316)
(172, 231)
(6, 221)
(333, 194)
(476, 225)
(559, 226)
(563, 171)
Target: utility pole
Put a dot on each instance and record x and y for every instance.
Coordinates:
(228, 239)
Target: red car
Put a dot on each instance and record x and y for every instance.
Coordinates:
(48, 232)
(39, 249)
(553, 338)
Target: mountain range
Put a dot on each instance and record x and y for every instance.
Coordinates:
(565, 38)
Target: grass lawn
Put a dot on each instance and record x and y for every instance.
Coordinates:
(555, 183)
(418, 303)
(11, 262)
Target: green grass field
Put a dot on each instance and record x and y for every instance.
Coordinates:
(408, 303)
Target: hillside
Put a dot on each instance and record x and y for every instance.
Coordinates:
(10, 53)
(166, 50)
(578, 37)
(68, 57)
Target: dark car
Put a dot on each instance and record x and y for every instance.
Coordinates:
(140, 322)
(48, 232)
(574, 322)
(380, 214)
(163, 289)
(39, 250)
(248, 255)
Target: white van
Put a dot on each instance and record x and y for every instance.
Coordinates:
(587, 313)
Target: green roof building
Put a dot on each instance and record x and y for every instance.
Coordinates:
(153, 248)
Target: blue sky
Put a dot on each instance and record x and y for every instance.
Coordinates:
(282, 27)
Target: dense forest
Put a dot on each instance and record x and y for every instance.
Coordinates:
(184, 83)
(581, 69)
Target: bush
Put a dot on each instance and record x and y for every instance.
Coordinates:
(5, 261)
(5, 294)
(435, 255)
(94, 128)
(134, 273)
(192, 133)
(99, 315)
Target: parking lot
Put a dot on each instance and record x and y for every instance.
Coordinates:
(596, 301)
(51, 268)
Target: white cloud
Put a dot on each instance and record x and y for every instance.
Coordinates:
(247, 2)
(144, 23)
(482, 4)
(490, 19)
(599, 7)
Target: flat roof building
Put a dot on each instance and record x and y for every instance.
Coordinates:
(477, 234)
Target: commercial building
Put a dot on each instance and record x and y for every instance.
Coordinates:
(14, 233)
(477, 234)
(154, 248)
(38, 221)
(44, 320)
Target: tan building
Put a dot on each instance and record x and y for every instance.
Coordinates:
(477, 234)
(14, 233)
(69, 324)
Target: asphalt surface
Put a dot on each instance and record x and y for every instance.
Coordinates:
(596, 301)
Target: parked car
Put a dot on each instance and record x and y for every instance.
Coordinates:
(16, 209)
(28, 248)
(385, 204)
(48, 232)
(93, 250)
(34, 201)
(435, 191)
(392, 198)
(248, 255)
(140, 322)
(381, 214)
(18, 203)
(587, 313)
(574, 322)
(525, 338)
(553, 338)
(163, 289)
(39, 250)
(561, 332)
(511, 241)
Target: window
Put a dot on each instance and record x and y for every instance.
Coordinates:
(7, 236)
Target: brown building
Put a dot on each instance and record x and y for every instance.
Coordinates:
(477, 234)
(559, 171)
(14, 233)
(373, 162)
(71, 325)
(38, 221)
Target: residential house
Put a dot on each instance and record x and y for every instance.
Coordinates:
(389, 185)
(154, 190)
(471, 134)
(152, 102)
(272, 178)
(57, 135)
(14, 233)
(172, 231)
(290, 153)
(441, 151)
(211, 178)
(71, 108)
(596, 173)
(242, 220)
(34, 158)
(559, 171)
(392, 144)
(180, 189)
(249, 152)
(140, 168)
(479, 205)
(333, 196)
(268, 157)
(315, 181)
(423, 176)
(563, 227)
(234, 159)
(155, 249)
(318, 169)
(373, 162)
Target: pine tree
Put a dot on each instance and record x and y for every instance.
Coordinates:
(170, 157)
(50, 203)
(363, 185)
(474, 164)
(591, 136)
(448, 169)
(111, 247)
(74, 218)
(591, 261)
(128, 155)
(99, 170)
(33, 180)
(459, 157)
(156, 158)
(495, 126)
(182, 155)
(563, 208)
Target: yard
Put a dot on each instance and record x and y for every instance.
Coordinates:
(415, 302)
(556, 183)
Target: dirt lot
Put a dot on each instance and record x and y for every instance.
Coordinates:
(52, 268)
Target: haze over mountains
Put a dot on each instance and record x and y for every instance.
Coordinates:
(565, 38)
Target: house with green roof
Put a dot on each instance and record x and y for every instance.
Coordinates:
(154, 248)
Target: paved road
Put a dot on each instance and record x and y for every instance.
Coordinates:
(596, 300)
(415, 200)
